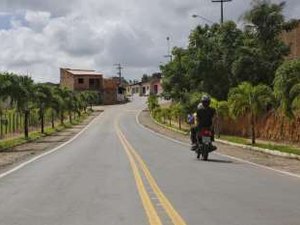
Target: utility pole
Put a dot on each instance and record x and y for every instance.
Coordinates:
(222, 8)
(119, 68)
(169, 55)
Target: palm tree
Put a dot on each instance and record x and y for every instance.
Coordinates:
(62, 95)
(4, 86)
(222, 111)
(56, 106)
(287, 86)
(21, 92)
(250, 100)
(92, 98)
(77, 104)
(84, 100)
(178, 112)
(44, 97)
(70, 103)
(152, 102)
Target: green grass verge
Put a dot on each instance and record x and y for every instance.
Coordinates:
(275, 147)
(245, 141)
(12, 142)
(281, 148)
(234, 139)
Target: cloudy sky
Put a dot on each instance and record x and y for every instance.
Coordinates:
(39, 36)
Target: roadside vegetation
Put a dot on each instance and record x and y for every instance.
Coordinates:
(245, 71)
(35, 109)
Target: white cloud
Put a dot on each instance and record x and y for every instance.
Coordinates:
(46, 35)
(37, 20)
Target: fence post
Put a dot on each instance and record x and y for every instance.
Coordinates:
(14, 122)
(9, 123)
(1, 127)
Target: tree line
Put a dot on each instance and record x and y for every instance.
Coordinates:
(245, 70)
(22, 94)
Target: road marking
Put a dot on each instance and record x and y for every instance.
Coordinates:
(220, 154)
(48, 152)
(164, 202)
(152, 215)
(173, 214)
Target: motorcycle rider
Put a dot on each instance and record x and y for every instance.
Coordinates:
(205, 119)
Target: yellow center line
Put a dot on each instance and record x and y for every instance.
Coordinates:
(170, 210)
(152, 215)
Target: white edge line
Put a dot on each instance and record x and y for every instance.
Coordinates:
(226, 156)
(48, 152)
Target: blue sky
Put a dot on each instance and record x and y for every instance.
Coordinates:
(5, 21)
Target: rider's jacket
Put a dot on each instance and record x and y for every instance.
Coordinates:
(205, 117)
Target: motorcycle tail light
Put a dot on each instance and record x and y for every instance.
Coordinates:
(205, 133)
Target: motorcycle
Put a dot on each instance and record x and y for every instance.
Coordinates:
(204, 143)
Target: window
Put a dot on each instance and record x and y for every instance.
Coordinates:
(80, 81)
(92, 81)
(94, 84)
(155, 89)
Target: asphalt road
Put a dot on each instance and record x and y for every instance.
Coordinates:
(117, 172)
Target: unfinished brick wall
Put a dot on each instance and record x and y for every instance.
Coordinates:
(110, 89)
(66, 79)
(292, 39)
(272, 126)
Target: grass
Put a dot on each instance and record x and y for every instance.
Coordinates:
(275, 147)
(235, 139)
(245, 141)
(281, 148)
(12, 142)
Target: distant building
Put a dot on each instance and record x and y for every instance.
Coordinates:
(156, 87)
(83, 80)
(146, 88)
(153, 86)
(292, 39)
(134, 89)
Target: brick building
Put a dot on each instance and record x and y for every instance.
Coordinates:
(292, 39)
(83, 80)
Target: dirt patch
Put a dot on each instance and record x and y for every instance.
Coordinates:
(16, 155)
(285, 164)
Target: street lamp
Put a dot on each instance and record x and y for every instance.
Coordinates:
(203, 18)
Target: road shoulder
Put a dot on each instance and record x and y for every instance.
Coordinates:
(274, 162)
(17, 155)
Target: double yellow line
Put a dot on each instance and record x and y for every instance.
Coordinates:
(138, 167)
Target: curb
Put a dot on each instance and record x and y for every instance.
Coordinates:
(253, 148)
(263, 150)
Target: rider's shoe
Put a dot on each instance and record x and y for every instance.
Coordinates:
(194, 147)
(213, 148)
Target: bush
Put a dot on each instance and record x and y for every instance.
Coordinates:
(152, 102)
(157, 114)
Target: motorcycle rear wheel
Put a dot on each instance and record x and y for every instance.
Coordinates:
(205, 152)
(198, 153)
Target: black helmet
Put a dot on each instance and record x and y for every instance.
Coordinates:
(205, 100)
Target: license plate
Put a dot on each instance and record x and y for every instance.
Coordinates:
(206, 140)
